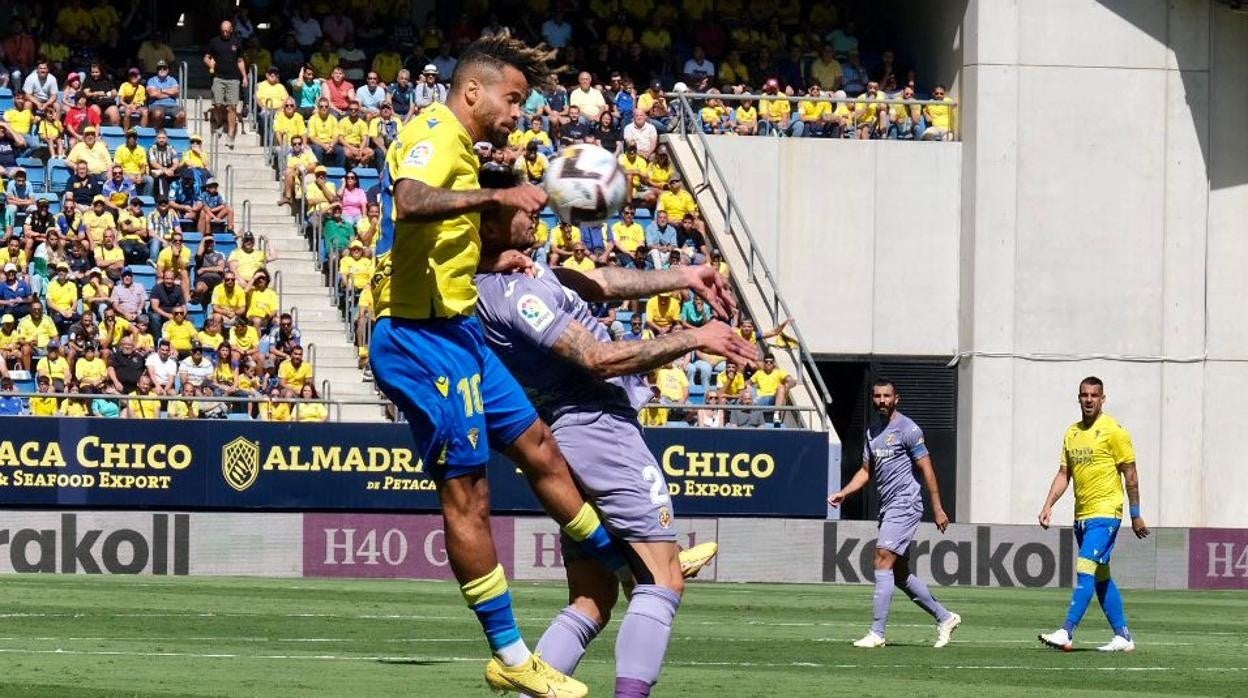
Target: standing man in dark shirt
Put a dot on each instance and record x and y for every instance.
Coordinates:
(83, 185)
(224, 57)
(126, 366)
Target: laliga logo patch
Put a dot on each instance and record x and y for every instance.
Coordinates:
(240, 463)
(535, 312)
(419, 155)
(665, 517)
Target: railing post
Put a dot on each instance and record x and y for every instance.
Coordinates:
(229, 183)
(246, 214)
(182, 68)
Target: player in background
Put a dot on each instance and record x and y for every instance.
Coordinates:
(429, 356)
(589, 389)
(1097, 454)
(894, 450)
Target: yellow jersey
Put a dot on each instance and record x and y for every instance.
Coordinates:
(673, 383)
(43, 406)
(224, 300)
(143, 409)
(133, 161)
(90, 370)
(167, 260)
(425, 268)
(296, 378)
(180, 334)
(662, 314)
(57, 369)
(262, 304)
(248, 262)
(677, 204)
(37, 333)
(271, 95)
(323, 128)
(775, 109)
(585, 264)
(768, 383)
(353, 133)
(62, 295)
(210, 340)
(292, 125)
(733, 387)
(358, 271)
(132, 94)
(628, 237)
(248, 341)
(1092, 457)
(73, 408)
(311, 412)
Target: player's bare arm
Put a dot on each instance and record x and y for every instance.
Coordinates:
(1132, 480)
(417, 201)
(855, 484)
(924, 465)
(610, 359)
(615, 283)
(1060, 482)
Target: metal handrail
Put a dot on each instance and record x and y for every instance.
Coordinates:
(182, 71)
(277, 283)
(294, 315)
(309, 350)
(778, 308)
(251, 95)
(215, 148)
(246, 214)
(229, 185)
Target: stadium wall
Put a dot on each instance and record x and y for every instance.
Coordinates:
(411, 546)
(1100, 193)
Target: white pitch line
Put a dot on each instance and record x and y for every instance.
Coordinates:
(812, 665)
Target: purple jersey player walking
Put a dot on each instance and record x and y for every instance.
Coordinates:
(893, 451)
(589, 389)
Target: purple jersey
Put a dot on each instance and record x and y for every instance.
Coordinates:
(892, 449)
(523, 316)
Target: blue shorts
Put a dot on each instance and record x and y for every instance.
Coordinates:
(457, 396)
(1096, 538)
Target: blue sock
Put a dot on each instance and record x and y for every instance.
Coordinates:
(588, 532)
(1111, 602)
(489, 598)
(1085, 589)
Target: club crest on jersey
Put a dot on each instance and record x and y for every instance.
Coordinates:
(665, 517)
(419, 155)
(474, 435)
(890, 439)
(444, 385)
(535, 312)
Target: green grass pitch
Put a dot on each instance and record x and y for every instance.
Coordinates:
(80, 636)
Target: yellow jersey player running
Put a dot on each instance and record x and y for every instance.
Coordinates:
(1097, 454)
(429, 355)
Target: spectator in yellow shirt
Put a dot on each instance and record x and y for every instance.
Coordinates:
(139, 408)
(814, 117)
(353, 137)
(938, 117)
(323, 135)
(580, 260)
(677, 201)
(870, 115)
(273, 411)
(771, 386)
(294, 373)
(663, 313)
(229, 301)
(262, 302)
(635, 166)
(132, 159)
(55, 366)
(563, 240)
(355, 270)
(248, 260)
(132, 99)
(533, 165)
(90, 371)
(245, 339)
(310, 411)
(185, 408)
(36, 331)
(627, 234)
(92, 151)
(44, 406)
(288, 123)
(180, 332)
(747, 118)
(774, 114)
(62, 295)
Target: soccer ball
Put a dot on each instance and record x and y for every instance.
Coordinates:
(585, 184)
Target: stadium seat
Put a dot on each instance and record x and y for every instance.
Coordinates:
(6, 99)
(239, 417)
(643, 214)
(624, 316)
(113, 136)
(179, 139)
(226, 243)
(59, 173)
(147, 136)
(335, 173)
(145, 275)
(148, 201)
(36, 173)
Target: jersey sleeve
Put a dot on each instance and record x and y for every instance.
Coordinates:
(915, 444)
(1120, 446)
(532, 311)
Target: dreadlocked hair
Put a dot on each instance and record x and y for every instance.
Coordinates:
(502, 50)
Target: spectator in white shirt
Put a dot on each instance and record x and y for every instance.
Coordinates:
(307, 30)
(590, 100)
(41, 89)
(195, 369)
(699, 66)
(556, 31)
(643, 134)
(162, 368)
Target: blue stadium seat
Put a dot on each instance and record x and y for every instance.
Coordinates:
(226, 243)
(36, 173)
(368, 177)
(59, 173)
(196, 314)
(113, 136)
(6, 99)
(179, 139)
(145, 275)
(624, 316)
(335, 174)
(147, 136)
(643, 214)
(192, 238)
(148, 201)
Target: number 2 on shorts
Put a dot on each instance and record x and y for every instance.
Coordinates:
(658, 493)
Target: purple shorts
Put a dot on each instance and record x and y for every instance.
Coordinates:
(897, 528)
(618, 474)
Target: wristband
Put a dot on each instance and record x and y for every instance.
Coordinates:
(1135, 511)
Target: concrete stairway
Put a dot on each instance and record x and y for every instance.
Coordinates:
(303, 289)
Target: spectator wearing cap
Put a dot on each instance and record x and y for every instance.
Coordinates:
(210, 266)
(372, 95)
(92, 151)
(642, 134)
(161, 368)
(300, 162)
(429, 90)
(132, 99)
(184, 197)
(180, 332)
(262, 303)
(353, 137)
(249, 258)
(141, 404)
(215, 209)
(195, 158)
(109, 258)
(166, 296)
(323, 135)
(125, 365)
(132, 159)
(136, 236)
(63, 299)
(129, 299)
(90, 371)
(774, 114)
(54, 366)
(163, 91)
(533, 165)
(11, 351)
(322, 193)
(355, 270)
(163, 162)
(117, 190)
(37, 330)
(403, 96)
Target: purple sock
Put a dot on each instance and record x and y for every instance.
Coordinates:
(918, 592)
(882, 600)
(642, 642)
(564, 642)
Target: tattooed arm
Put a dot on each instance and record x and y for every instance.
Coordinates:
(417, 201)
(611, 359)
(615, 283)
